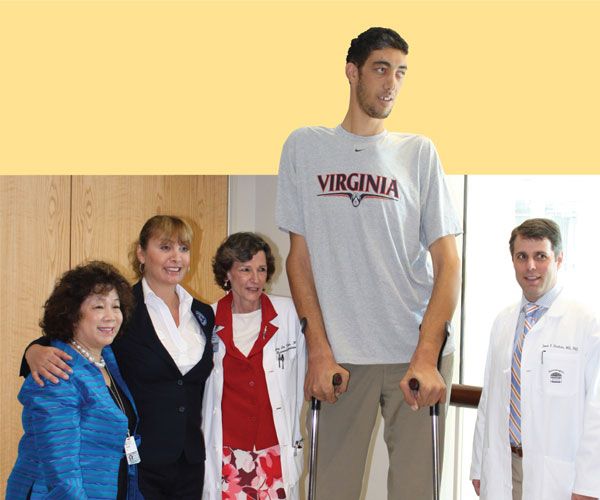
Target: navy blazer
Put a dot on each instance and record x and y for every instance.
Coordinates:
(74, 435)
(169, 403)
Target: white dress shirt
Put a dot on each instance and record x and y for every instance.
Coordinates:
(185, 343)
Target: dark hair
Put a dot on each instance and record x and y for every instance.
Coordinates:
(240, 247)
(62, 310)
(374, 39)
(159, 225)
(537, 229)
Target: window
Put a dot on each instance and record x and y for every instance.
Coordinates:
(495, 205)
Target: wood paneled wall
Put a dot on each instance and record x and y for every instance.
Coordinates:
(34, 250)
(49, 224)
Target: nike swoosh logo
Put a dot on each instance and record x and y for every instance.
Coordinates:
(359, 150)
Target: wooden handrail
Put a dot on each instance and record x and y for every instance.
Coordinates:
(465, 396)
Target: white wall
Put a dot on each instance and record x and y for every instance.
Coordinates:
(252, 208)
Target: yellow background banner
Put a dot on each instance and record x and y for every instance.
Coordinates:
(189, 87)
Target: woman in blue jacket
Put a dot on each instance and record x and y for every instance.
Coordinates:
(76, 431)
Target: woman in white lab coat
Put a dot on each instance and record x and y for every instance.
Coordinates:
(253, 399)
(560, 405)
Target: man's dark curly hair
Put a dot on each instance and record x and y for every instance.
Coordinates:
(240, 247)
(374, 39)
(62, 310)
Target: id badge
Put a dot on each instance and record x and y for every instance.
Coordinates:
(131, 451)
(214, 339)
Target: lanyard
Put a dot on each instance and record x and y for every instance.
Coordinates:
(117, 396)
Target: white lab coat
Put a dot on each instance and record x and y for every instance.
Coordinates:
(284, 362)
(560, 406)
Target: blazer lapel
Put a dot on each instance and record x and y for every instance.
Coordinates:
(143, 329)
(205, 364)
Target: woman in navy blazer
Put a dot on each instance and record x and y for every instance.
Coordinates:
(75, 431)
(165, 358)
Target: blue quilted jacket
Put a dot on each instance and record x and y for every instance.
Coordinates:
(74, 436)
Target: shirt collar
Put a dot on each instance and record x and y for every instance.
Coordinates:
(545, 300)
(365, 139)
(185, 299)
(223, 315)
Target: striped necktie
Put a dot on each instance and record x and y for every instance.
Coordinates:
(532, 314)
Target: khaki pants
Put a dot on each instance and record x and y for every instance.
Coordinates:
(517, 476)
(345, 430)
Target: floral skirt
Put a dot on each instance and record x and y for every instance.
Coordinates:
(252, 475)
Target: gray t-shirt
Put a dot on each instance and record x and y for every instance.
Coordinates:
(368, 208)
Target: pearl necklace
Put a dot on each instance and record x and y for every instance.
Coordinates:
(100, 363)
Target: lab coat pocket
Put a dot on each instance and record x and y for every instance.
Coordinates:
(559, 477)
(287, 351)
(560, 372)
(296, 462)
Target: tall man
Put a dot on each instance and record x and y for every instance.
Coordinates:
(538, 423)
(364, 209)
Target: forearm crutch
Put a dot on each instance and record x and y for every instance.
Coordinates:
(315, 406)
(434, 411)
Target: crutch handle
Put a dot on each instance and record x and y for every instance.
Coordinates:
(413, 384)
(336, 380)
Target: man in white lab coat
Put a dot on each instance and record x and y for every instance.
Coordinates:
(537, 435)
